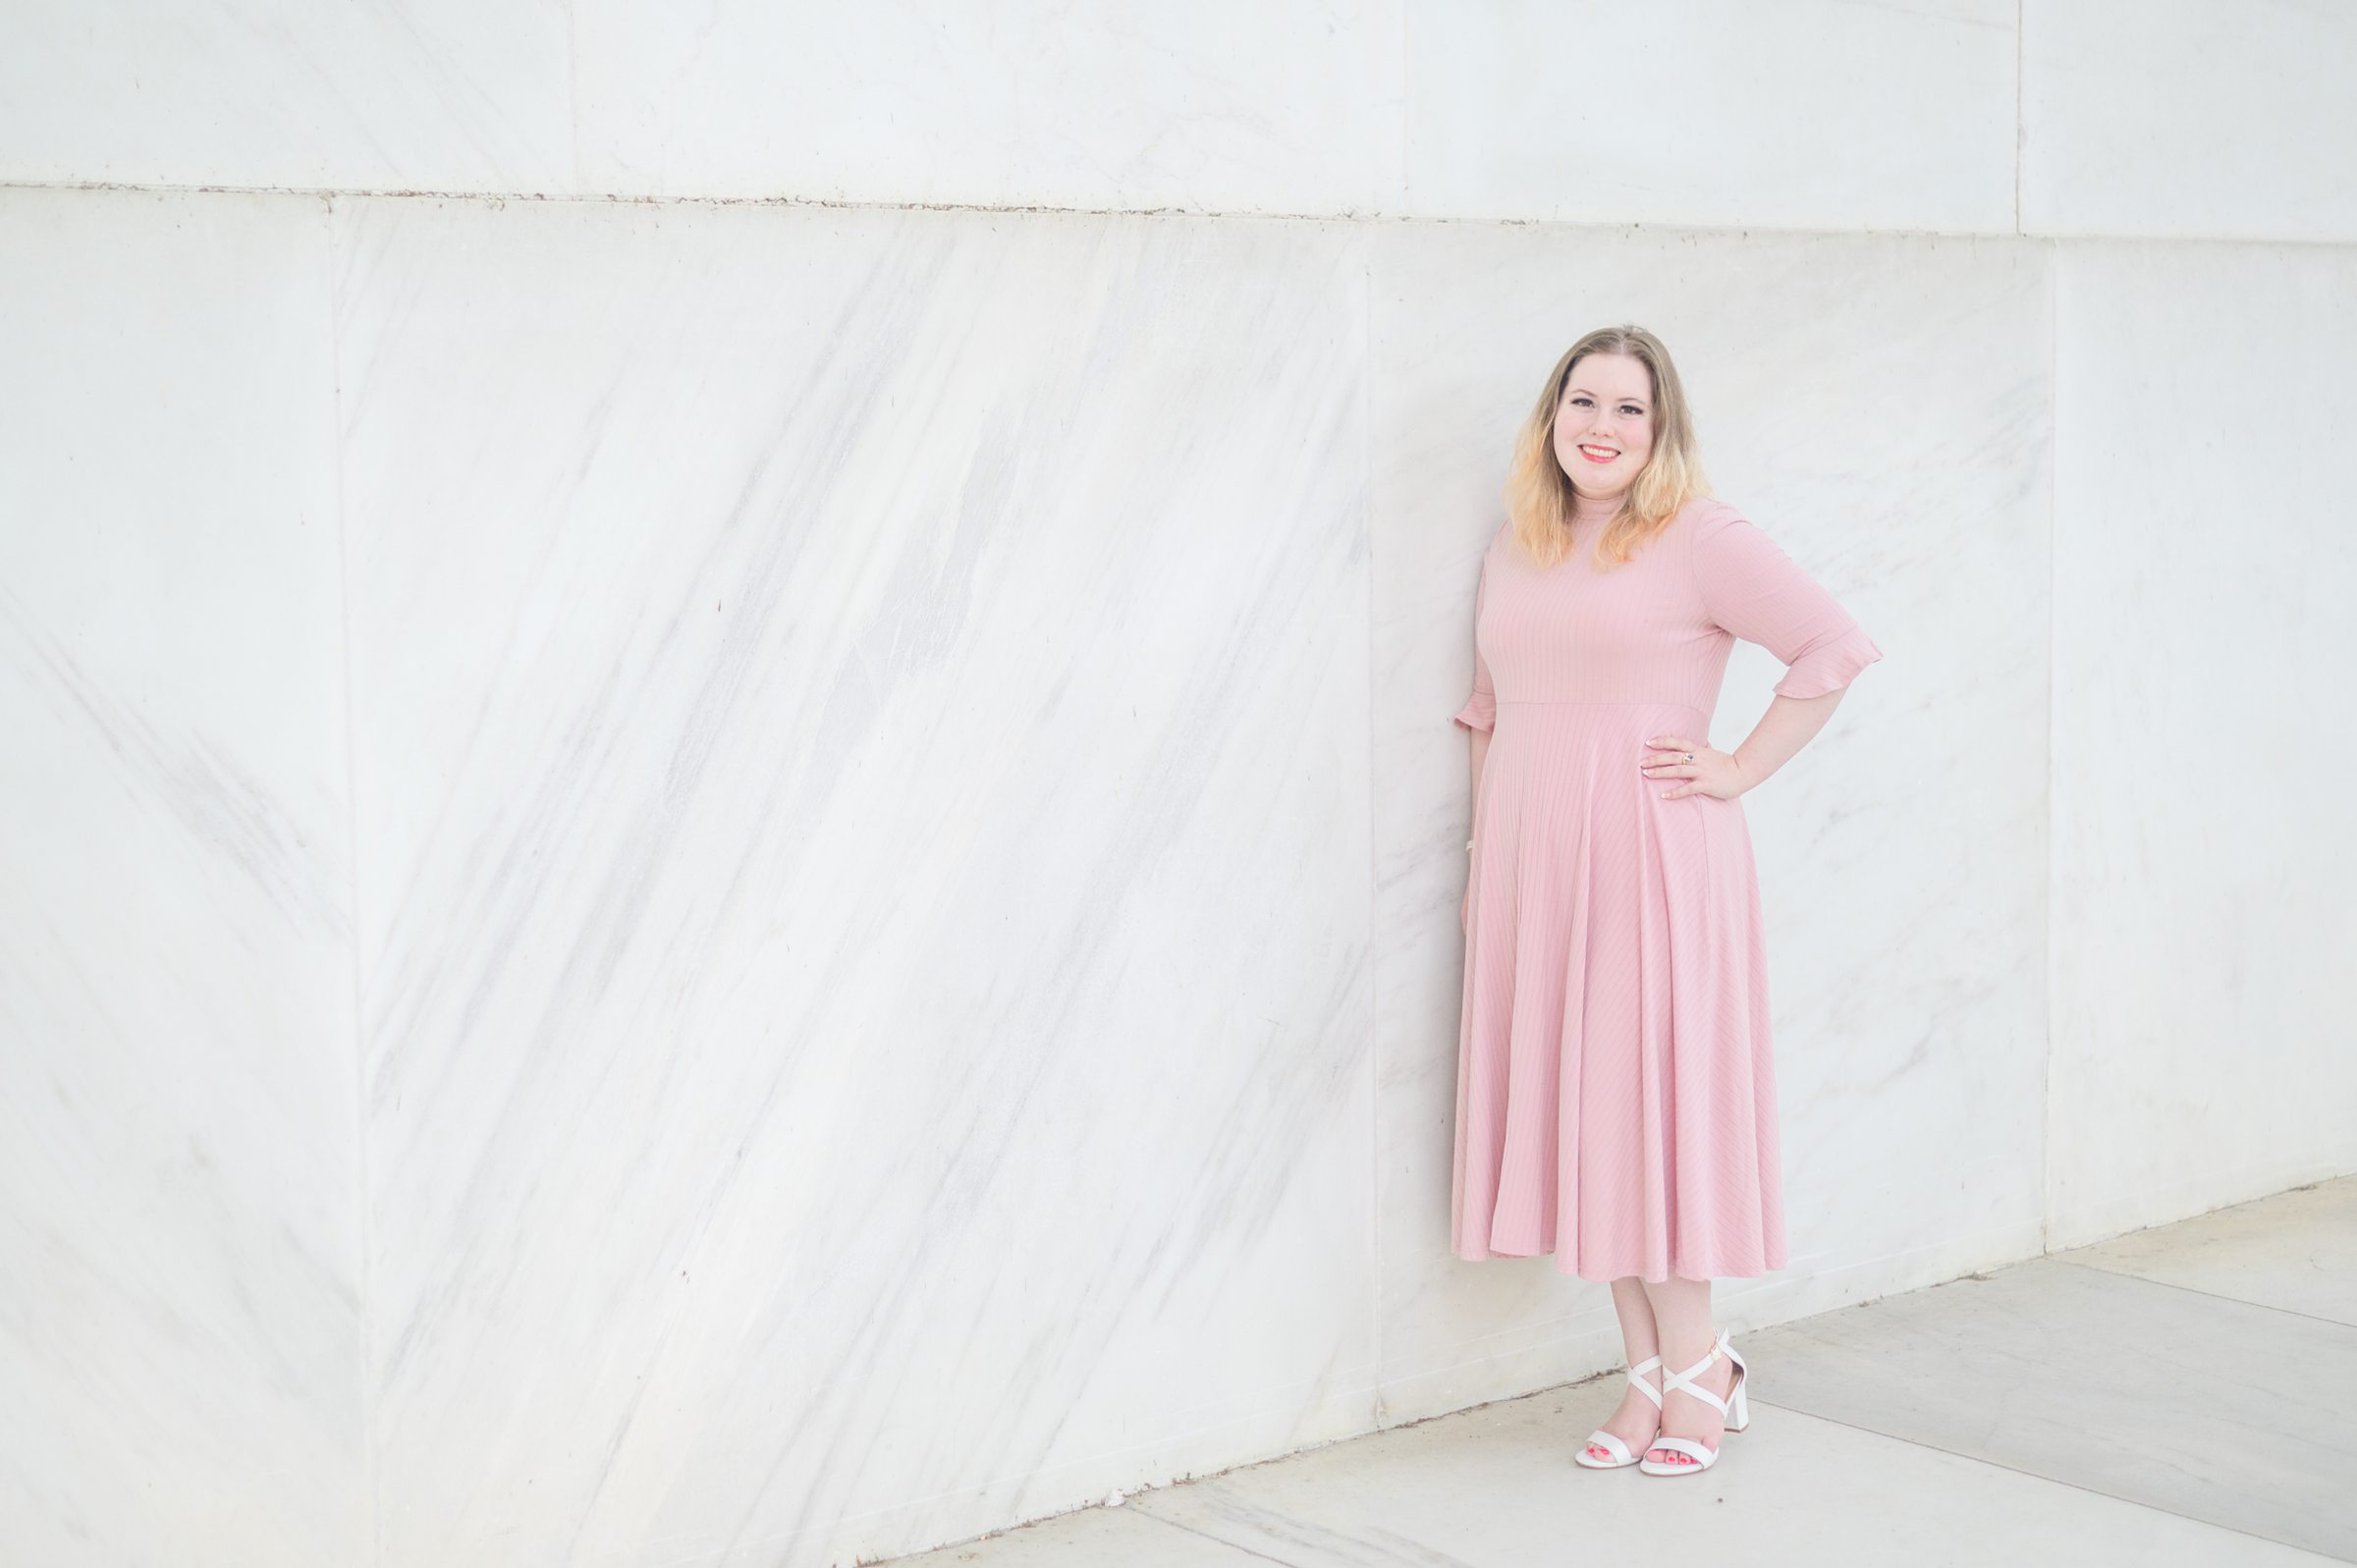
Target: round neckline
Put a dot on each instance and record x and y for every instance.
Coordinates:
(1585, 509)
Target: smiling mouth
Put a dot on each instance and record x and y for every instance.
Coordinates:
(1598, 453)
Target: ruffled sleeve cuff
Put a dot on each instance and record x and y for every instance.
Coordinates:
(1480, 712)
(1830, 665)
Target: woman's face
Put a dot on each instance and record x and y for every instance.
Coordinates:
(1604, 426)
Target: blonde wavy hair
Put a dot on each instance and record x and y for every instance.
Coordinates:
(1538, 494)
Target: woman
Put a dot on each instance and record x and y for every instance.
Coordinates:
(1615, 1087)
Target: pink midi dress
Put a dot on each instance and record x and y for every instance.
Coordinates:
(1615, 1092)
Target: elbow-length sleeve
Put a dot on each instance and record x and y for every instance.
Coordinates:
(1756, 591)
(1480, 711)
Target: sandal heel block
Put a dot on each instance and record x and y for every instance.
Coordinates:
(1736, 1407)
(1621, 1457)
(1739, 1392)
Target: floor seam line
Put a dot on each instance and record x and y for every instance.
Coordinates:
(2196, 1290)
(1205, 1534)
(2040, 1474)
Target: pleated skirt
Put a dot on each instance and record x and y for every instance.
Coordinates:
(1615, 1095)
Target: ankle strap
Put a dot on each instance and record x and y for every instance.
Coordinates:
(1683, 1382)
(1644, 1387)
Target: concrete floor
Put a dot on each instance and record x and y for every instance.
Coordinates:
(2179, 1395)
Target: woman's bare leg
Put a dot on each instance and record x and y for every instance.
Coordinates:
(1681, 1309)
(1636, 1420)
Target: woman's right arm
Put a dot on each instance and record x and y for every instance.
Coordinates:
(1479, 719)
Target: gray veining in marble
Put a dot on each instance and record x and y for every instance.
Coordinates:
(2202, 852)
(181, 1272)
(859, 764)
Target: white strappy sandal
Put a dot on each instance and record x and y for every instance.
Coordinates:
(1736, 1407)
(1612, 1444)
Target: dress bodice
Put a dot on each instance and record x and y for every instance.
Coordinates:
(1658, 628)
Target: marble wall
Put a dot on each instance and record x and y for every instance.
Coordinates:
(726, 878)
(2202, 914)
(859, 764)
(182, 1282)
